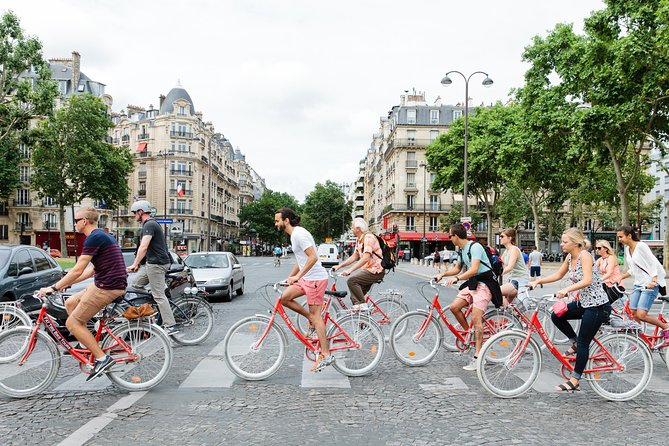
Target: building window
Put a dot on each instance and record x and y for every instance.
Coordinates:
(411, 156)
(434, 134)
(411, 116)
(434, 202)
(25, 151)
(4, 232)
(181, 111)
(23, 217)
(411, 199)
(182, 146)
(62, 87)
(22, 197)
(411, 225)
(24, 174)
(411, 136)
(457, 114)
(434, 224)
(434, 116)
(411, 179)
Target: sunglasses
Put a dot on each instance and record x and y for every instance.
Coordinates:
(77, 220)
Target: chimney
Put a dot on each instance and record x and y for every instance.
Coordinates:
(76, 70)
(161, 99)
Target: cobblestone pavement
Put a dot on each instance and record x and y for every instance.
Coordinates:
(201, 404)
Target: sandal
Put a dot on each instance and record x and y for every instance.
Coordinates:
(571, 351)
(568, 386)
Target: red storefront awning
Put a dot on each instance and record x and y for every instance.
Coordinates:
(410, 236)
(142, 146)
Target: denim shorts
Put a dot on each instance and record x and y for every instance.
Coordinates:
(642, 298)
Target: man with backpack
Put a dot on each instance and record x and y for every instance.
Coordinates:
(367, 266)
(478, 290)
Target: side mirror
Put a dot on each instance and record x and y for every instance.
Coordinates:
(236, 266)
(26, 270)
(176, 268)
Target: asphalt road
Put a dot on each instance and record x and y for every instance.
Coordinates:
(201, 402)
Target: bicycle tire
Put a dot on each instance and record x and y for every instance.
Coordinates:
(404, 341)
(513, 371)
(38, 371)
(367, 334)
(499, 319)
(11, 317)
(242, 355)
(302, 323)
(153, 355)
(560, 339)
(386, 311)
(630, 352)
(194, 319)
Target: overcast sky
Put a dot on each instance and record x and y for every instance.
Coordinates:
(298, 85)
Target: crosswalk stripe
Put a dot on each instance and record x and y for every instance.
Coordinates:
(328, 377)
(210, 372)
(78, 382)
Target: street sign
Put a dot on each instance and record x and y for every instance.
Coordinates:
(467, 225)
(164, 221)
(465, 219)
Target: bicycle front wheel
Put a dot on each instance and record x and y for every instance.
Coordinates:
(251, 356)
(359, 359)
(415, 338)
(38, 370)
(143, 355)
(632, 355)
(385, 312)
(195, 320)
(507, 368)
(11, 317)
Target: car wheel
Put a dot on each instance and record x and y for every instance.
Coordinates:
(240, 290)
(228, 296)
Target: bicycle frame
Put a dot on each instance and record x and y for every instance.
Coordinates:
(376, 310)
(654, 341)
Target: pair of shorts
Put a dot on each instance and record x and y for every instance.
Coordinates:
(535, 271)
(90, 301)
(479, 298)
(642, 298)
(313, 289)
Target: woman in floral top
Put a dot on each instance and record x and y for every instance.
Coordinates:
(592, 307)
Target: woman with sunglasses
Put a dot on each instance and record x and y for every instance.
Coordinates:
(515, 272)
(607, 263)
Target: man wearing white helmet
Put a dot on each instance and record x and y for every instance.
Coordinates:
(152, 246)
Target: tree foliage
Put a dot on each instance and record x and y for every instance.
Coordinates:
(21, 100)
(326, 211)
(257, 217)
(72, 161)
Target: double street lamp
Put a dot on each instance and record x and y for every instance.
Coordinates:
(487, 82)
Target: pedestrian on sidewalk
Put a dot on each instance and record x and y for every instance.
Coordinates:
(534, 261)
(437, 260)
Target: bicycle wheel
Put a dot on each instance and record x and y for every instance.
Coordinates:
(385, 311)
(415, 338)
(11, 316)
(149, 360)
(559, 337)
(37, 372)
(499, 319)
(195, 320)
(631, 353)
(361, 359)
(302, 322)
(251, 356)
(450, 341)
(514, 369)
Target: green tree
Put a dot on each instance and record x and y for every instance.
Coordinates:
(72, 161)
(619, 71)
(326, 211)
(513, 207)
(21, 100)
(257, 217)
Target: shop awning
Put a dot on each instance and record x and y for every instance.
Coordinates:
(141, 147)
(411, 236)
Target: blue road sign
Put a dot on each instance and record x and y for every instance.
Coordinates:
(164, 221)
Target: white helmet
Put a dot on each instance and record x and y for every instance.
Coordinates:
(141, 205)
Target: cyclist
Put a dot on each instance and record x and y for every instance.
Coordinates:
(515, 271)
(476, 291)
(308, 277)
(110, 281)
(366, 259)
(592, 307)
(649, 276)
(152, 246)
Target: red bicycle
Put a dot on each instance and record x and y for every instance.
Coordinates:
(256, 346)
(30, 360)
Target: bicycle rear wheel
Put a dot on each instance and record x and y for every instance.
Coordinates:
(415, 338)
(386, 311)
(146, 364)
(248, 357)
(195, 320)
(37, 372)
(302, 323)
(635, 358)
(506, 368)
(499, 319)
(360, 360)
(11, 316)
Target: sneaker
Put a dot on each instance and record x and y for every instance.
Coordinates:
(322, 362)
(171, 330)
(311, 331)
(100, 367)
(360, 307)
(472, 366)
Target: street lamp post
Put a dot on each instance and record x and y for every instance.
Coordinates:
(423, 241)
(487, 82)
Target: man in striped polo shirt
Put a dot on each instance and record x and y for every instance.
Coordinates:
(110, 281)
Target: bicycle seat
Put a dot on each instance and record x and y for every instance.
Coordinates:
(336, 293)
(664, 298)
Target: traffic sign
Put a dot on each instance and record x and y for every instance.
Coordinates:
(465, 219)
(467, 225)
(164, 221)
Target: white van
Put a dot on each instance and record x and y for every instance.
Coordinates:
(328, 254)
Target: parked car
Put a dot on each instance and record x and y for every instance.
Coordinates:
(444, 256)
(25, 269)
(219, 273)
(328, 254)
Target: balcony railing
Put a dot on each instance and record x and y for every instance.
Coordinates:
(49, 227)
(23, 203)
(179, 211)
(185, 173)
(142, 136)
(187, 192)
(180, 134)
(27, 226)
(419, 208)
(141, 193)
(141, 174)
(125, 138)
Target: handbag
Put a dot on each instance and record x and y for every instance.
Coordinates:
(560, 308)
(614, 292)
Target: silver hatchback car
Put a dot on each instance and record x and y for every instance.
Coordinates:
(218, 273)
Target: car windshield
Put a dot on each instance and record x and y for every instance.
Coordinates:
(4, 257)
(207, 261)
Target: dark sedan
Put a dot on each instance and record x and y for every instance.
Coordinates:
(25, 269)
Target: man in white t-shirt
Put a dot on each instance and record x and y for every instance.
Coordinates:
(535, 264)
(307, 278)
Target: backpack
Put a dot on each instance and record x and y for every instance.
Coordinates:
(494, 259)
(388, 258)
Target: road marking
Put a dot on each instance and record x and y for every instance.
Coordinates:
(328, 377)
(78, 382)
(88, 430)
(211, 371)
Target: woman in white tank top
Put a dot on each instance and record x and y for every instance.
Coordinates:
(515, 272)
